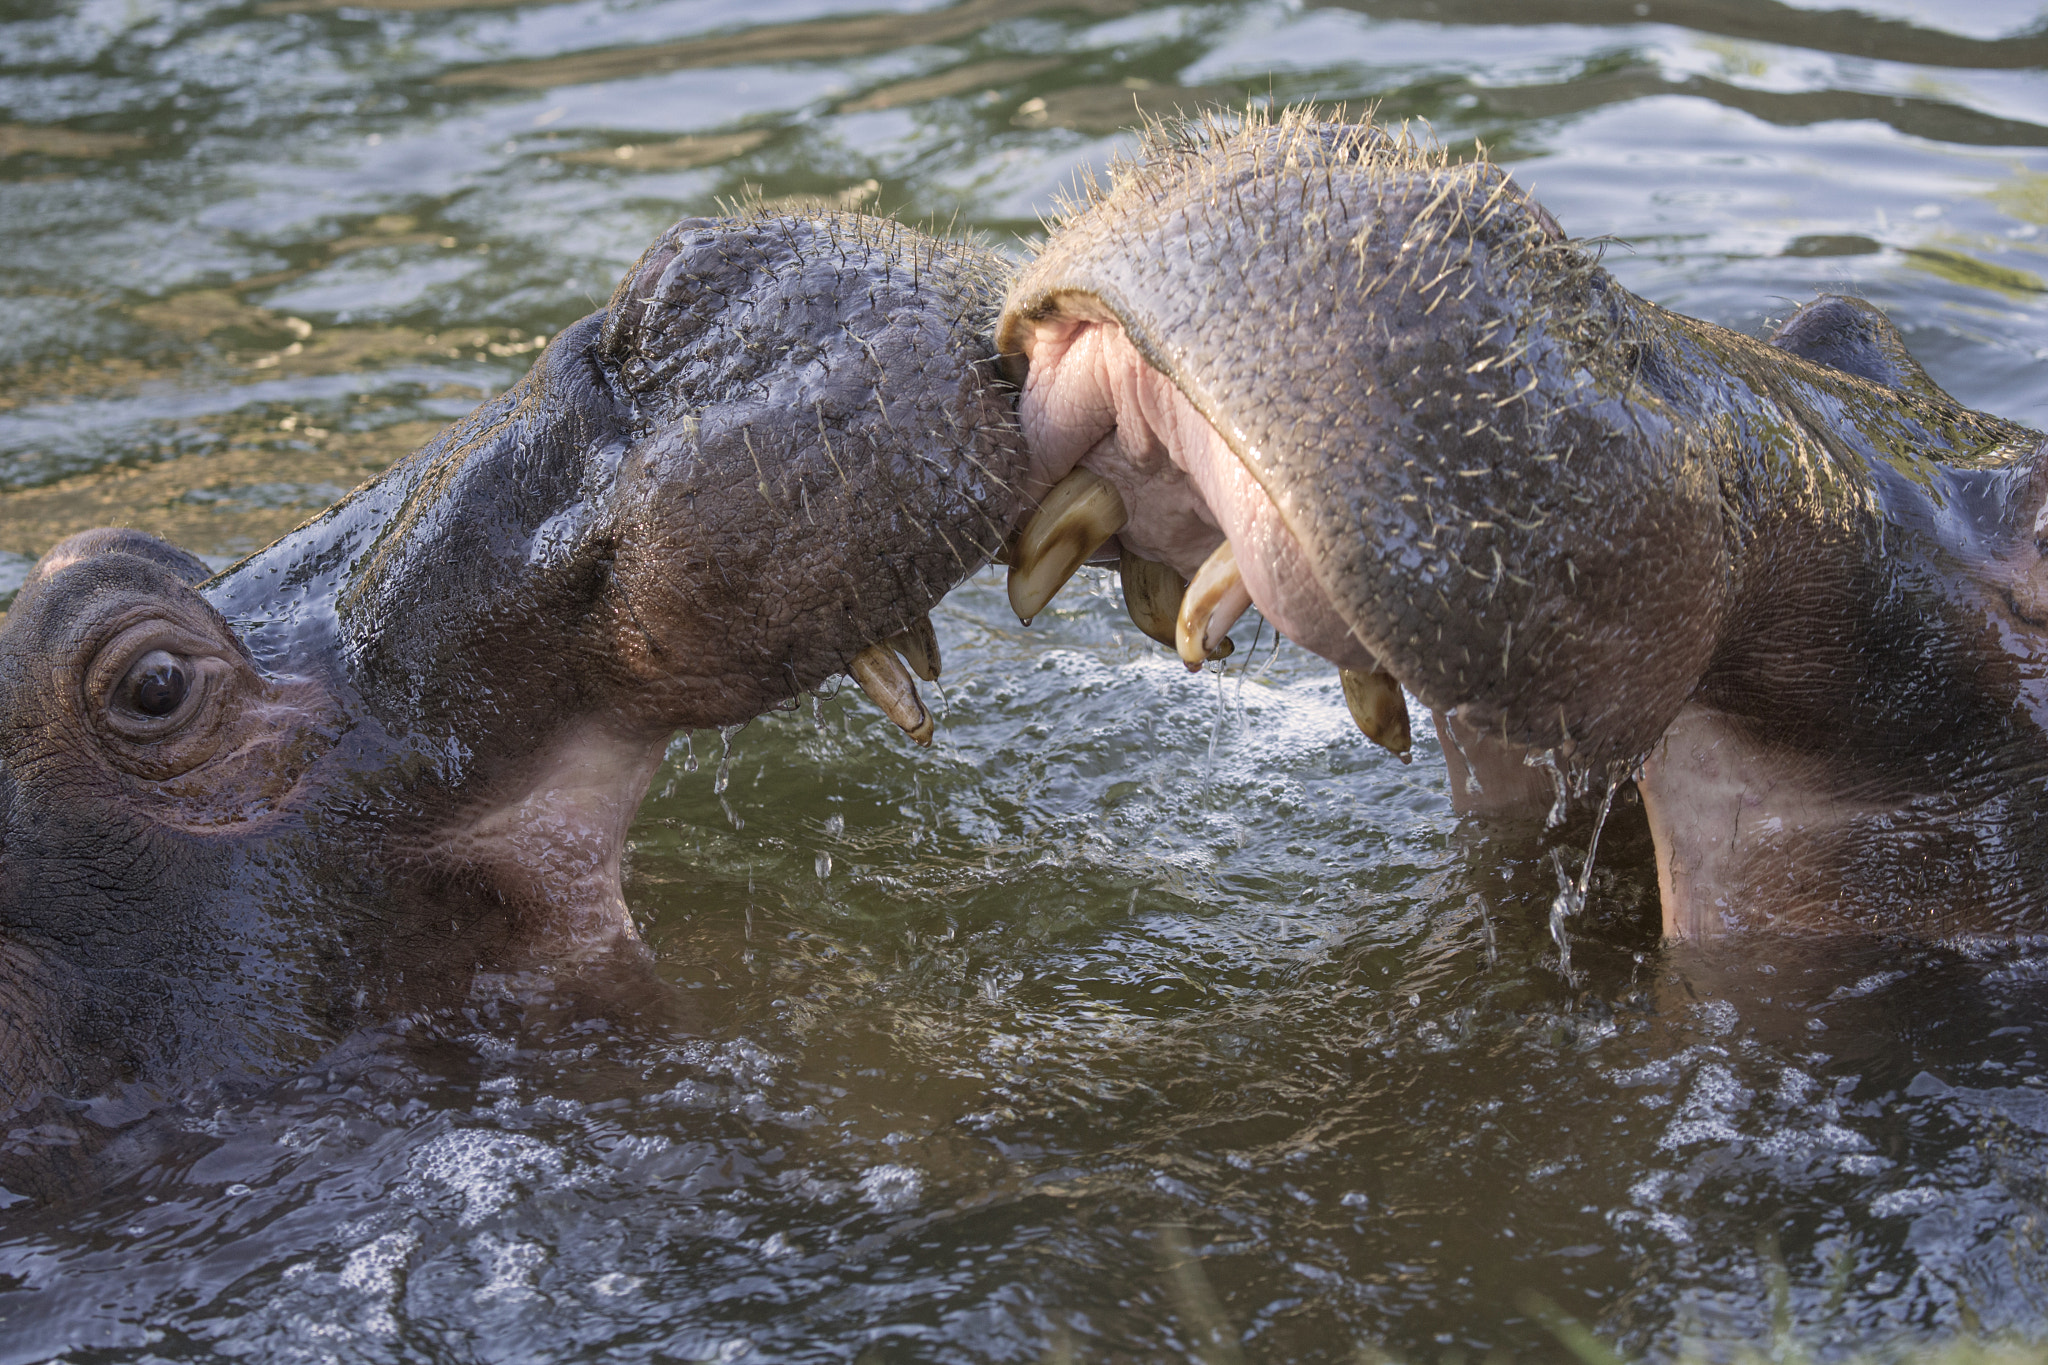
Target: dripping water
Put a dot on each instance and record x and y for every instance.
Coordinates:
(724, 778)
(1571, 892)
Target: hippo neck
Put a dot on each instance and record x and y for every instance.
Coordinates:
(1845, 757)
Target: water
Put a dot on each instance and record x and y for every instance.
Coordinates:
(1144, 1016)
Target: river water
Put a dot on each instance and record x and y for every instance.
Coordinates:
(1145, 1016)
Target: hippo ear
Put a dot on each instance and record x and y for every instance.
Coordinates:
(1853, 336)
(108, 540)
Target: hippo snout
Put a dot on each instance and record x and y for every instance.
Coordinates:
(402, 745)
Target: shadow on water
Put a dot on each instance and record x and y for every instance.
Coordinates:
(1143, 1017)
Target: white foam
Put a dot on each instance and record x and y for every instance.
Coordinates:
(484, 1168)
(890, 1188)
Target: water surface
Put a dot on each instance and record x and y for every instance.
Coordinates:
(1145, 1016)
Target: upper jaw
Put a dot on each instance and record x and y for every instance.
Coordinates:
(1122, 460)
(1093, 401)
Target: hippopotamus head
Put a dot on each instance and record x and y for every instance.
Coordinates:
(1383, 396)
(242, 813)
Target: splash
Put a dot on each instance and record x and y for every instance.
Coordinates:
(1571, 891)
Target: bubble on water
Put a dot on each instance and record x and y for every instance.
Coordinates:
(892, 1188)
(372, 1270)
(1715, 1018)
(510, 1266)
(1916, 1199)
(483, 1168)
(1793, 1085)
(615, 1285)
(1662, 1071)
(1862, 1165)
(1677, 1229)
(1707, 1115)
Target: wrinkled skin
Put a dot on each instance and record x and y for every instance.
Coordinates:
(1795, 583)
(409, 736)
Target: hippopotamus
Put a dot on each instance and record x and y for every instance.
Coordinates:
(1790, 587)
(245, 813)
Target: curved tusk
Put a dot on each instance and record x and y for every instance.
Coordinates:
(1211, 607)
(882, 676)
(1076, 519)
(1376, 704)
(1152, 595)
(918, 643)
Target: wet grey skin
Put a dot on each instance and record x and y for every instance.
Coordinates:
(1795, 585)
(397, 751)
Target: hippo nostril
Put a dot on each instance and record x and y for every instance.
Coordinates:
(158, 683)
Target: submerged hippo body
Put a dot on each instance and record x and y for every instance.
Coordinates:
(1793, 585)
(401, 746)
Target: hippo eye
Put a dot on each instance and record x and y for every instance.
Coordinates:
(157, 685)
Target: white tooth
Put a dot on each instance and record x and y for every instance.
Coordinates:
(1211, 607)
(882, 676)
(919, 646)
(1376, 704)
(1076, 519)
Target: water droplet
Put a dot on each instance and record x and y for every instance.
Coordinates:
(824, 866)
(689, 751)
(725, 757)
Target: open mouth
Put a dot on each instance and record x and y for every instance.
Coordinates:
(1126, 466)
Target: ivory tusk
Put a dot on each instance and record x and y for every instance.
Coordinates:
(1152, 595)
(1076, 519)
(1213, 602)
(888, 684)
(1376, 704)
(919, 646)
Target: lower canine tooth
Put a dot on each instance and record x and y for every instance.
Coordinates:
(1080, 514)
(1376, 704)
(1211, 607)
(1152, 593)
(882, 676)
(919, 646)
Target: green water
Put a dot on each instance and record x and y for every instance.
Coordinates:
(1145, 1016)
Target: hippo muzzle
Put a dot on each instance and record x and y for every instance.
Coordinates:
(401, 746)
(1382, 396)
